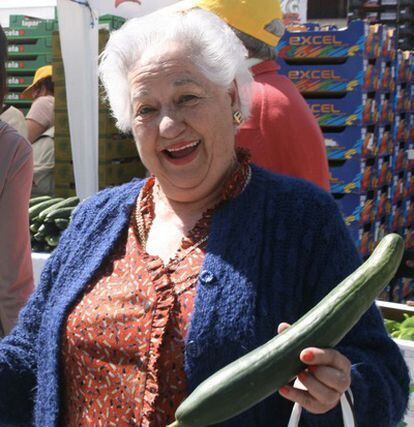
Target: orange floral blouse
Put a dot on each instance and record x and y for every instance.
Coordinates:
(123, 341)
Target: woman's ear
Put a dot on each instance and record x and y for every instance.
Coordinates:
(234, 95)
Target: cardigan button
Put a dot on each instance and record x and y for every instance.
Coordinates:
(192, 349)
(207, 277)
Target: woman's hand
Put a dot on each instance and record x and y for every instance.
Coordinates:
(326, 378)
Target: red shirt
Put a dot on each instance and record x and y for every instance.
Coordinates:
(123, 342)
(282, 135)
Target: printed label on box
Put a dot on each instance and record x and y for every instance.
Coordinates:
(354, 73)
(351, 41)
(352, 176)
(356, 108)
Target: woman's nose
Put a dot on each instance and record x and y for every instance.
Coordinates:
(171, 125)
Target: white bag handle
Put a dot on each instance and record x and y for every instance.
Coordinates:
(347, 406)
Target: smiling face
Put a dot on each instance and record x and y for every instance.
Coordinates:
(182, 124)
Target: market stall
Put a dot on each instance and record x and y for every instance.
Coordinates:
(355, 81)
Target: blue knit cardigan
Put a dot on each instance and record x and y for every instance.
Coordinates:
(272, 253)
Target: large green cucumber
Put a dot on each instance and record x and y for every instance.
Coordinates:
(52, 240)
(35, 210)
(61, 223)
(39, 199)
(260, 373)
(63, 213)
(47, 229)
(67, 203)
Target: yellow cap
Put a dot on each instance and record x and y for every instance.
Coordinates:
(41, 73)
(245, 15)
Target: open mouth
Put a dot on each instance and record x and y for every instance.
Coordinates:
(182, 152)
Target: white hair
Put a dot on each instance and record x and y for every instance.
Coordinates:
(214, 48)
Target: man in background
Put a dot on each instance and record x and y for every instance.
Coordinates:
(40, 121)
(281, 134)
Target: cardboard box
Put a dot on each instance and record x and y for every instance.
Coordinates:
(354, 73)
(315, 43)
(356, 208)
(352, 176)
(396, 219)
(358, 213)
(409, 184)
(352, 141)
(410, 124)
(409, 213)
(383, 205)
(389, 44)
(400, 159)
(387, 76)
(400, 98)
(381, 228)
(409, 98)
(401, 129)
(385, 169)
(355, 108)
(408, 234)
(384, 140)
(384, 108)
(397, 189)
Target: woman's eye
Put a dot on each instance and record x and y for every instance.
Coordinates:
(144, 111)
(185, 99)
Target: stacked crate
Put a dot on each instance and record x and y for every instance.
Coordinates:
(118, 158)
(397, 14)
(339, 74)
(403, 188)
(29, 48)
(359, 88)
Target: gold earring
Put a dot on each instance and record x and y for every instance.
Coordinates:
(237, 118)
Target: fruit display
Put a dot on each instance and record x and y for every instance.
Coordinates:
(48, 217)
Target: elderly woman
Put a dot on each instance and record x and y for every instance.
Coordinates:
(159, 283)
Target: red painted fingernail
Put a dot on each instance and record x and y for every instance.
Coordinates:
(284, 390)
(313, 368)
(308, 356)
(302, 376)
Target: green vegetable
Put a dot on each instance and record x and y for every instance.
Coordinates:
(391, 326)
(408, 322)
(39, 237)
(260, 373)
(33, 228)
(52, 240)
(47, 229)
(36, 200)
(406, 334)
(63, 213)
(61, 223)
(35, 210)
(70, 202)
